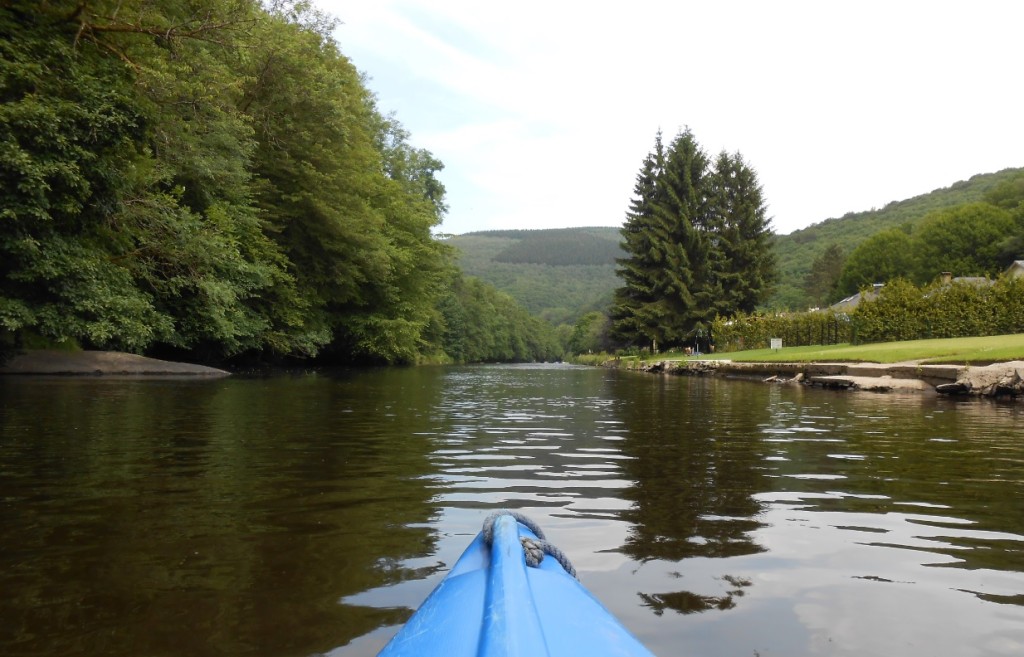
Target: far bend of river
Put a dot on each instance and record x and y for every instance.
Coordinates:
(301, 515)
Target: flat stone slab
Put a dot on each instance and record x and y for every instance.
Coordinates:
(54, 362)
(883, 383)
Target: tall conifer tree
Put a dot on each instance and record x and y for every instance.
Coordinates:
(698, 244)
(681, 209)
(748, 269)
(636, 316)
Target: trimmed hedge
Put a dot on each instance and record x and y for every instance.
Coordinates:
(901, 311)
(796, 329)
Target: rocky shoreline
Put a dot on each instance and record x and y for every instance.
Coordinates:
(51, 362)
(995, 380)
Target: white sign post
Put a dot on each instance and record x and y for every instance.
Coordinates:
(776, 344)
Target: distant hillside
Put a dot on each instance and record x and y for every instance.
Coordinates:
(558, 274)
(798, 250)
(562, 273)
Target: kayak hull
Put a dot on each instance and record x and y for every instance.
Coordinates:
(493, 605)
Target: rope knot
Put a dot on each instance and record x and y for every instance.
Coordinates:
(533, 550)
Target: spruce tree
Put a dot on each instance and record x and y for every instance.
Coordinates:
(821, 281)
(681, 209)
(698, 244)
(635, 313)
(748, 267)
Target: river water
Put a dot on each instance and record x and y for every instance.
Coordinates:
(308, 514)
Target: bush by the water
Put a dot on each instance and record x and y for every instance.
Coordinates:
(901, 311)
(794, 329)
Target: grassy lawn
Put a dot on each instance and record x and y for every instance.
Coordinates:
(981, 350)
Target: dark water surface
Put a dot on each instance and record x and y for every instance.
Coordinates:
(307, 515)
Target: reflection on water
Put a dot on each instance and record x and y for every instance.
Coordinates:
(305, 515)
(167, 518)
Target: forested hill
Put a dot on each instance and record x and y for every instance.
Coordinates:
(559, 246)
(796, 251)
(558, 274)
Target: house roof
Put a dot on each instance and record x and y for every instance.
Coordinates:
(852, 301)
(976, 281)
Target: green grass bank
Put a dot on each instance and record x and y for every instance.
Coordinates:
(966, 351)
(963, 351)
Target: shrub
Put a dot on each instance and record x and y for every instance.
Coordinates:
(755, 331)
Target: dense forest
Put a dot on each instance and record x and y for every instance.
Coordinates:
(213, 179)
(559, 247)
(557, 274)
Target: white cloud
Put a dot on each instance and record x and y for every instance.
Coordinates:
(543, 111)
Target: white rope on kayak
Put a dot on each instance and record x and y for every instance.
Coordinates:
(533, 550)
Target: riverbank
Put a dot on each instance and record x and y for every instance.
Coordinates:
(52, 362)
(1004, 379)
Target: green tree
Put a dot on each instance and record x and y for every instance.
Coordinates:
(348, 201)
(697, 243)
(1009, 195)
(210, 176)
(748, 267)
(590, 334)
(822, 280)
(484, 325)
(68, 125)
(881, 258)
(144, 231)
(668, 264)
(966, 240)
(691, 284)
(637, 312)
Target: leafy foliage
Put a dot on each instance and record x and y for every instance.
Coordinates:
(590, 334)
(485, 325)
(882, 257)
(212, 177)
(209, 177)
(903, 311)
(755, 330)
(821, 282)
(966, 240)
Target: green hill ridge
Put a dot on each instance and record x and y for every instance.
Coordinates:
(560, 274)
(797, 250)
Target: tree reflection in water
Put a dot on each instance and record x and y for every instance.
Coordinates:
(696, 471)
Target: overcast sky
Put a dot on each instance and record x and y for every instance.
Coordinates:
(543, 111)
